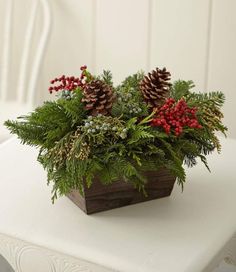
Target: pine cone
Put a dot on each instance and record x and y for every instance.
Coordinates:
(155, 87)
(98, 97)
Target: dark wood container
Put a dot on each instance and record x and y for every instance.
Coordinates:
(101, 197)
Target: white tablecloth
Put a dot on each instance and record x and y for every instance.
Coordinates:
(187, 232)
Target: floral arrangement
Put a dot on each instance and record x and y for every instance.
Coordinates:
(94, 129)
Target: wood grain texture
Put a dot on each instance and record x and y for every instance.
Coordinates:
(101, 197)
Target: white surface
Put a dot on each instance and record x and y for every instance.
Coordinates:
(26, 257)
(183, 233)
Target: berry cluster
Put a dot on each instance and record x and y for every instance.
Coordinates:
(129, 102)
(68, 83)
(65, 94)
(131, 106)
(104, 125)
(175, 115)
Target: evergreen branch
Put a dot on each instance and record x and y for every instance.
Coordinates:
(181, 88)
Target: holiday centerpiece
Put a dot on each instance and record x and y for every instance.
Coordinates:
(106, 146)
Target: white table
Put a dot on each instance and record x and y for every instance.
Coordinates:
(187, 232)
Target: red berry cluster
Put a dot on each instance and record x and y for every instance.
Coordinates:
(175, 115)
(68, 83)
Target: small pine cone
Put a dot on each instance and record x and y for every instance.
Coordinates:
(155, 87)
(98, 97)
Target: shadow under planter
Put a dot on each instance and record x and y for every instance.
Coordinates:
(101, 197)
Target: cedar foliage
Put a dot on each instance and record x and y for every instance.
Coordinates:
(74, 146)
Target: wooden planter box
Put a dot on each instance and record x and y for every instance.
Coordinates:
(101, 197)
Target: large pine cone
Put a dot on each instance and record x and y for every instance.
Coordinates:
(155, 87)
(98, 97)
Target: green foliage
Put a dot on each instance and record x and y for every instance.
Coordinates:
(73, 108)
(50, 122)
(209, 116)
(129, 102)
(76, 148)
(44, 126)
(181, 88)
(106, 76)
(103, 129)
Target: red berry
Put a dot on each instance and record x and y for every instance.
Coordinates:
(83, 67)
(176, 115)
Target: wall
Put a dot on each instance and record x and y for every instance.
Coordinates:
(194, 39)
